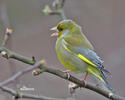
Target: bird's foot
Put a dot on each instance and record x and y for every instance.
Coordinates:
(68, 73)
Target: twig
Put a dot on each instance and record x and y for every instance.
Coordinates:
(7, 40)
(6, 36)
(18, 95)
(58, 5)
(19, 74)
(59, 8)
(9, 54)
(54, 13)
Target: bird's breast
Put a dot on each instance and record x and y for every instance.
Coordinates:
(69, 60)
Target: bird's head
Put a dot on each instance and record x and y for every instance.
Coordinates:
(64, 28)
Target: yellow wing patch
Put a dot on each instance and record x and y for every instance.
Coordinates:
(85, 59)
(81, 57)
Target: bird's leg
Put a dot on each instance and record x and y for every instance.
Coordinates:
(85, 76)
(67, 72)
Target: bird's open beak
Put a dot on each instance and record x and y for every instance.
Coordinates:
(56, 33)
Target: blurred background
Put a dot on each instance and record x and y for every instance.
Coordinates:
(103, 22)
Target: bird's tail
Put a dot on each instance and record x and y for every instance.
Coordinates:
(100, 75)
(105, 81)
(105, 71)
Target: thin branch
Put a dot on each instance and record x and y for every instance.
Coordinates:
(6, 36)
(9, 54)
(19, 74)
(18, 95)
(54, 13)
(7, 39)
(60, 12)
(59, 8)
(58, 5)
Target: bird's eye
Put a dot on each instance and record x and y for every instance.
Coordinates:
(60, 29)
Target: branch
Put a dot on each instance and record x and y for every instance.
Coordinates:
(19, 74)
(6, 36)
(82, 84)
(9, 54)
(58, 73)
(18, 95)
(5, 22)
(7, 39)
(58, 5)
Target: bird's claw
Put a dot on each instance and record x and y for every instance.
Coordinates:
(68, 73)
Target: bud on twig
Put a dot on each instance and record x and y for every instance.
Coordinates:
(4, 54)
(47, 10)
(36, 72)
(9, 31)
(6, 37)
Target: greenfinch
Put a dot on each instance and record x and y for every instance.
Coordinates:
(76, 53)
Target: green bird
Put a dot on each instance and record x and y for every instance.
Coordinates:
(76, 53)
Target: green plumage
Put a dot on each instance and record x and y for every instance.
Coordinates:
(76, 53)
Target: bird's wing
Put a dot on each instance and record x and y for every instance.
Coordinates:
(87, 55)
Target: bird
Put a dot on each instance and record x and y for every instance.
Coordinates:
(76, 53)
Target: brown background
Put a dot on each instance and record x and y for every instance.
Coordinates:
(103, 22)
